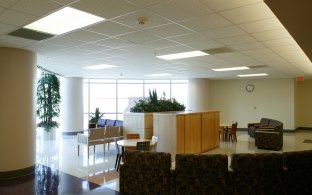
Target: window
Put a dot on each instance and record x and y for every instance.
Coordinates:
(113, 97)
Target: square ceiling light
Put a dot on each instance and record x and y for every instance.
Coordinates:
(231, 69)
(189, 54)
(64, 20)
(98, 67)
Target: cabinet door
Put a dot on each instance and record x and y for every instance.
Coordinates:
(192, 133)
(180, 134)
(208, 131)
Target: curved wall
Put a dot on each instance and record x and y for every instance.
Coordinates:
(71, 115)
(17, 113)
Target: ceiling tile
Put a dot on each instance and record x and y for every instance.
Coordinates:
(84, 35)
(206, 22)
(237, 40)
(138, 37)
(168, 30)
(177, 10)
(280, 41)
(7, 3)
(5, 28)
(219, 5)
(36, 7)
(223, 32)
(110, 28)
(113, 43)
(65, 42)
(272, 34)
(248, 13)
(150, 19)
(262, 25)
(161, 43)
(144, 3)
(16, 18)
(16, 40)
(107, 9)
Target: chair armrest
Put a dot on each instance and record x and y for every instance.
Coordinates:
(82, 138)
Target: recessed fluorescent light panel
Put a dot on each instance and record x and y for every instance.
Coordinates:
(253, 75)
(64, 20)
(158, 75)
(231, 69)
(182, 55)
(98, 67)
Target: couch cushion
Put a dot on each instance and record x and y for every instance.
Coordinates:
(265, 121)
(110, 122)
(118, 123)
(101, 122)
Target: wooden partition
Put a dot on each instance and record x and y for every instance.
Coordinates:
(186, 132)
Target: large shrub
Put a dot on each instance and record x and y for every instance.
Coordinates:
(153, 104)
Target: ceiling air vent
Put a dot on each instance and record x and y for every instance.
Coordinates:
(218, 50)
(30, 34)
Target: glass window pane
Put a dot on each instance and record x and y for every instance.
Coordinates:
(110, 116)
(130, 90)
(123, 105)
(163, 90)
(103, 91)
(104, 105)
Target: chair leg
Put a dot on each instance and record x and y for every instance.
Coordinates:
(78, 149)
(117, 158)
(118, 162)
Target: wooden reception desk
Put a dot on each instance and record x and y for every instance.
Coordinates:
(186, 132)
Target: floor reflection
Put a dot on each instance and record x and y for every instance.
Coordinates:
(47, 181)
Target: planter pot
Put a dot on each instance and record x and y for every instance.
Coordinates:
(141, 123)
(48, 135)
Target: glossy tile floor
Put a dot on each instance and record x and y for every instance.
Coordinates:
(80, 175)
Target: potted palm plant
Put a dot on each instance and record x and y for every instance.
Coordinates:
(48, 103)
(94, 117)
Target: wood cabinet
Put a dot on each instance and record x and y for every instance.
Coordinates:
(186, 132)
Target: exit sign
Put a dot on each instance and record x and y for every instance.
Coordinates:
(300, 78)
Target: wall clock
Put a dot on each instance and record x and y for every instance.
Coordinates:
(250, 88)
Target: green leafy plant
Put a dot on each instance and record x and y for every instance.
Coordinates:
(94, 117)
(153, 104)
(48, 100)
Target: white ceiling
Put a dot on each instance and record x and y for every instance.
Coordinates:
(247, 27)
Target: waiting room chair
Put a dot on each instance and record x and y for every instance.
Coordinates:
(110, 133)
(230, 134)
(94, 137)
(154, 147)
(145, 173)
(118, 154)
(133, 136)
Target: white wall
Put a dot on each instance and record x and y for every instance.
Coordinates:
(271, 98)
(198, 93)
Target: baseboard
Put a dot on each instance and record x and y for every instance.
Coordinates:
(304, 128)
(71, 133)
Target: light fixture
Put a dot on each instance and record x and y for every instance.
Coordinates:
(98, 67)
(64, 20)
(158, 75)
(231, 69)
(252, 75)
(189, 54)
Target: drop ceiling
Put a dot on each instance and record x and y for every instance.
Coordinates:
(246, 30)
